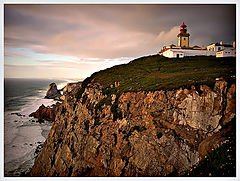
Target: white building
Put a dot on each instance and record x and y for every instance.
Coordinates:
(183, 49)
(215, 47)
(226, 52)
(180, 53)
(223, 50)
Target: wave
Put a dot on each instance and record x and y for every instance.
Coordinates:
(22, 134)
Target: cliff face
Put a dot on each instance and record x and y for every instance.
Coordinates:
(135, 134)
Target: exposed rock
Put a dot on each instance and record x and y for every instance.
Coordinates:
(138, 134)
(45, 113)
(18, 114)
(52, 92)
(70, 87)
(230, 110)
(61, 98)
(198, 111)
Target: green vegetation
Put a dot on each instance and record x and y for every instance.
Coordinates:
(155, 73)
(106, 101)
(116, 113)
(84, 85)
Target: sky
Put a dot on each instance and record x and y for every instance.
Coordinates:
(74, 41)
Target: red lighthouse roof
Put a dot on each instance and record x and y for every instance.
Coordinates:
(183, 25)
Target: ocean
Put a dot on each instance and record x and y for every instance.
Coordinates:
(23, 135)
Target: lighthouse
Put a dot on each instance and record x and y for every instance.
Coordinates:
(183, 37)
(184, 50)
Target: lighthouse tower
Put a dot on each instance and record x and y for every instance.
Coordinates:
(183, 37)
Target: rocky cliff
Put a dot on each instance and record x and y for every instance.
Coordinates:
(135, 133)
(52, 92)
(70, 87)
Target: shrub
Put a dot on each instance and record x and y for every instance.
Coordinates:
(84, 85)
(106, 101)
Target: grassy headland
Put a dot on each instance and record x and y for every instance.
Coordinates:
(160, 73)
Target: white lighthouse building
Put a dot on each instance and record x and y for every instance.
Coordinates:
(183, 49)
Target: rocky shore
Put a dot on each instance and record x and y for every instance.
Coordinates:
(49, 113)
(45, 113)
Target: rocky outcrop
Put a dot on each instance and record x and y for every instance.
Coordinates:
(136, 133)
(45, 113)
(70, 87)
(52, 92)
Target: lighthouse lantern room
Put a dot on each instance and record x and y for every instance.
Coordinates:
(183, 37)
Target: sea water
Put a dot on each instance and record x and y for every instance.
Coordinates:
(23, 134)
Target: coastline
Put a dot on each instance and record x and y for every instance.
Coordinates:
(23, 135)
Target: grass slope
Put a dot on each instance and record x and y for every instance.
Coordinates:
(155, 73)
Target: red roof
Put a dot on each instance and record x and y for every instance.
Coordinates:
(165, 50)
(183, 25)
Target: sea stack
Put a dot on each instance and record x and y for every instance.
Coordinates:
(52, 91)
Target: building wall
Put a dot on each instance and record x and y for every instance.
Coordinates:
(199, 53)
(212, 47)
(178, 54)
(183, 41)
(219, 54)
(168, 54)
(179, 41)
(227, 52)
(172, 53)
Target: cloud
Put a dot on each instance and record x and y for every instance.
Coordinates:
(14, 54)
(100, 35)
(87, 61)
(110, 43)
(167, 37)
(110, 31)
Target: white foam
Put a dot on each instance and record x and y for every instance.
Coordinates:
(22, 134)
(25, 141)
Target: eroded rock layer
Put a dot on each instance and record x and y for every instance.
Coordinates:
(135, 134)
